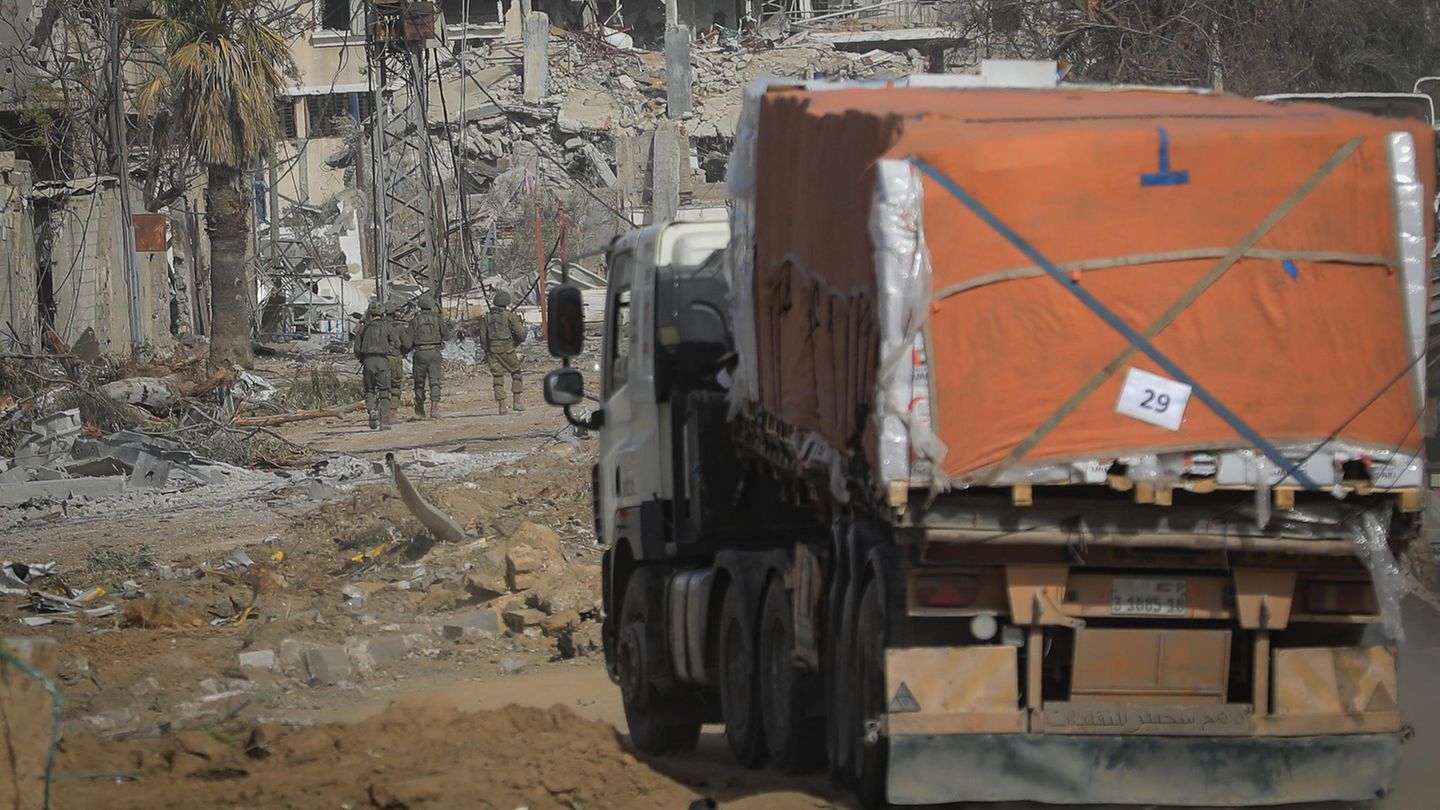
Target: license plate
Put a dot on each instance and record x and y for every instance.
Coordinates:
(1148, 597)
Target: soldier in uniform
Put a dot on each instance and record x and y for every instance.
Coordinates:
(397, 362)
(374, 342)
(428, 331)
(501, 330)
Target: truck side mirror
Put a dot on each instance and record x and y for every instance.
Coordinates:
(566, 316)
(564, 387)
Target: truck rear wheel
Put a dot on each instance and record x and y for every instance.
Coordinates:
(659, 723)
(739, 699)
(795, 740)
(871, 756)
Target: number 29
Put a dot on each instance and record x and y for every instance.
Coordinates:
(1158, 403)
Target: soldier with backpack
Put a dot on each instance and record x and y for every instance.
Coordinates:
(428, 332)
(397, 355)
(374, 342)
(501, 330)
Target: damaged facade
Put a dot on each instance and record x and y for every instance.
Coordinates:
(583, 104)
(65, 266)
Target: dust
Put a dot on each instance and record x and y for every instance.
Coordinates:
(421, 752)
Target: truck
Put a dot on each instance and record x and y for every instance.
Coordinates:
(1043, 443)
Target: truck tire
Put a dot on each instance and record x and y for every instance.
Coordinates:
(659, 723)
(871, 761)
(739, 699)
(795, 740)
(835, 663)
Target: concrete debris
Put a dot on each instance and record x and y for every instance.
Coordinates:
(151, 393)
(291, 657)
(437, 522)
(252, 387)
(518, 619)
(523, 566)
(112, 723)
(481, 624)
(258, 659)
(371, 653)
(50, 438)
(327, 666)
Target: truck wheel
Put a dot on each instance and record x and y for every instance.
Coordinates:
(838, 639)
(872, 749)
(739, 702)
(795, 741)
(659, 723)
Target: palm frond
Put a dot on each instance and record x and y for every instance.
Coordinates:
(222, 69)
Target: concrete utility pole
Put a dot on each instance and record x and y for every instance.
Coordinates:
(273, 186)
(120, 144)
(665, 194)
(537, 56)
(678, 94)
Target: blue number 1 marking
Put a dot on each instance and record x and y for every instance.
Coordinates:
(1164, 177)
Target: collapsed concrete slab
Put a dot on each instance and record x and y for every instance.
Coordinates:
(63, 490)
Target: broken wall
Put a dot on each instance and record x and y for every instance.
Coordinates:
(88, 243)
(19, 316)
(87, 274)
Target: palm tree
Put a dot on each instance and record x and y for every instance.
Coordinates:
(222, 67)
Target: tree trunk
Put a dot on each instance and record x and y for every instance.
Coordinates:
(231, 286)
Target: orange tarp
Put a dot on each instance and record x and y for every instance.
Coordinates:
(1294, 351)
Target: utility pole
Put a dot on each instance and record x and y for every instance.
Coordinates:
(272, 187)
(120, 148)
(406, 196)
(364, 219)
(540, 259)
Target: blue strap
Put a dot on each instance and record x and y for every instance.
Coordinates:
(1292, 469)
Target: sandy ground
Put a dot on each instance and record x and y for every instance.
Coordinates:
(484, 720)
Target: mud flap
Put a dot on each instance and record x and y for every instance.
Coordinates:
(1193, 771)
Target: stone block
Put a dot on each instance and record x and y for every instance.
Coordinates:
(258, 659)
(480, 624)
(328, 665)
(291, 657)
(518, 619)
(369, 653)
(522, 568)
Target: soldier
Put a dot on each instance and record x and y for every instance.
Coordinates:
(501, 330)
(374, 342)
(397, 362)
(428, 331)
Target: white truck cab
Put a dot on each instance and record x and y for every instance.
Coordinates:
(635, 462)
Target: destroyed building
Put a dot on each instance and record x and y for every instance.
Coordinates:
(591, 102)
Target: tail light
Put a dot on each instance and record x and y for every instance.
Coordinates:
(1340, 597)
(950, 590)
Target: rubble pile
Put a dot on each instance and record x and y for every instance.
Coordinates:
(355, 595)
(599, 96)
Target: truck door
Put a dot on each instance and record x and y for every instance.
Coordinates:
(629, 409)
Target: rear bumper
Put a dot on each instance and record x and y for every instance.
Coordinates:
(1192, 771)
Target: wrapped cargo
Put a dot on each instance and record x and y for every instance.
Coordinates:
(950, 291)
